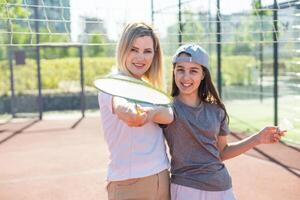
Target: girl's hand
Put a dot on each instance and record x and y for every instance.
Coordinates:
(270, 135)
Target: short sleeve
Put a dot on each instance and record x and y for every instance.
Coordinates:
(224, 128)
(105, 101)
(166, 126)
(163, 126)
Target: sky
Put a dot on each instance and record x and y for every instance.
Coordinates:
(116, 13)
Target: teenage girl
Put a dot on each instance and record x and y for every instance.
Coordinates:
(198, 135)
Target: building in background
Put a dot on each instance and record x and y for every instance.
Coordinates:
(90, 27)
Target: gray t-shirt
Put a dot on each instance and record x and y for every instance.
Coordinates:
(192, 139)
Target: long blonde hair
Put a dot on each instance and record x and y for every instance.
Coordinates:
(132, 31)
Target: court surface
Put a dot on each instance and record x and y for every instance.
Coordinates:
(66, 158)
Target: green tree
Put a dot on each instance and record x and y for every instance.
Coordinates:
(193, 31)
(257, 8)
(10, 10)
(262, 14)
(97, 49)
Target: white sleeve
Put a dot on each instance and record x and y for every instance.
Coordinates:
(105, 101)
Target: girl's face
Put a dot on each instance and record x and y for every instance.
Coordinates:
(188, 77)
(140, 56)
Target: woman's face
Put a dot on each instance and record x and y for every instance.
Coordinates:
(140, 56)
(188, 77)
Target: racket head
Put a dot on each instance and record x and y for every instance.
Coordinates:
(132, 89)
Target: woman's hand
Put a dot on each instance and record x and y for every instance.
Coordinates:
(157, 114)
(136, 116)
(130, 113)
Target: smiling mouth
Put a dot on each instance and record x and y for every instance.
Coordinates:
(186, 85)
(139, 66)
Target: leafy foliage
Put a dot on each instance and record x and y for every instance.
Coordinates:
(55, 74)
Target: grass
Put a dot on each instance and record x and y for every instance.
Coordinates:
(4, 117)
(249, 116)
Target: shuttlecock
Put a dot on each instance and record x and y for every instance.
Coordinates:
(285, 124)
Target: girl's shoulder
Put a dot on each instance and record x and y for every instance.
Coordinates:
(218, 111)
(214, 106)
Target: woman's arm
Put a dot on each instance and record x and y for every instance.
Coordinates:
(127, 112)
(268, 135)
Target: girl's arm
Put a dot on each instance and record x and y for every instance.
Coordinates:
(159, 114)
(136, 115)
(268, 135)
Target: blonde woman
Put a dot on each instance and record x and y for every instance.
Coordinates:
(138, 167)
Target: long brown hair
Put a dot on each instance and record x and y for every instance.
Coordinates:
(206, 91)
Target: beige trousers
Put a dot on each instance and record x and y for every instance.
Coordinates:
(154, 187)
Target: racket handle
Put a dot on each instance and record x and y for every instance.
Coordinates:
(138, 110)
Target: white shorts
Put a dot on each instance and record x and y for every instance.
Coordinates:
(179, 192)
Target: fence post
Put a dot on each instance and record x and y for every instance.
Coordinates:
(275, 61)
(219, 51)
(38, 61)
(82, 95)
(12, 85)
(261, 54)
(180, 24)
(152, 12)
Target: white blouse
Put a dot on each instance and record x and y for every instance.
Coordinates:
(134, 151)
